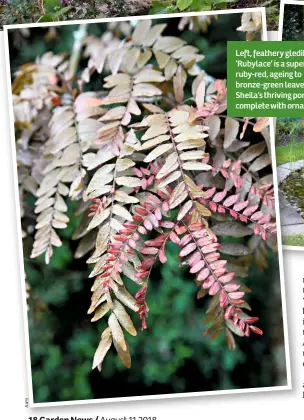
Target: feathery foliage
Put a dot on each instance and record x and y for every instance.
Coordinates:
(149, 164)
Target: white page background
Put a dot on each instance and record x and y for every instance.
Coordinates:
(13, 391)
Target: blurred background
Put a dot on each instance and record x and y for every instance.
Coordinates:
(291, 130)
(172, 355)
(289, 141)
(293, 23)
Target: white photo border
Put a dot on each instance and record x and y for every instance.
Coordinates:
(32, 404)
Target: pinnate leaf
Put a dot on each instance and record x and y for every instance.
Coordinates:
(158, 151)
(187, 249)
(117, 332)
(123, 317)
(231, 131)
(235, 229)
(103, 348)
(184, 210)
(235, 249)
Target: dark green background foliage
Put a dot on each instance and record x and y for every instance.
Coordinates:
(172, 355)
(24, 11)
(28, 11)
(293, 24)
(289, 130)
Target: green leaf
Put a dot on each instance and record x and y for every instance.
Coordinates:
(63, 11)
(47, 17)
(183, 4)
(161, 7)
(198, 5)
(49, 5)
